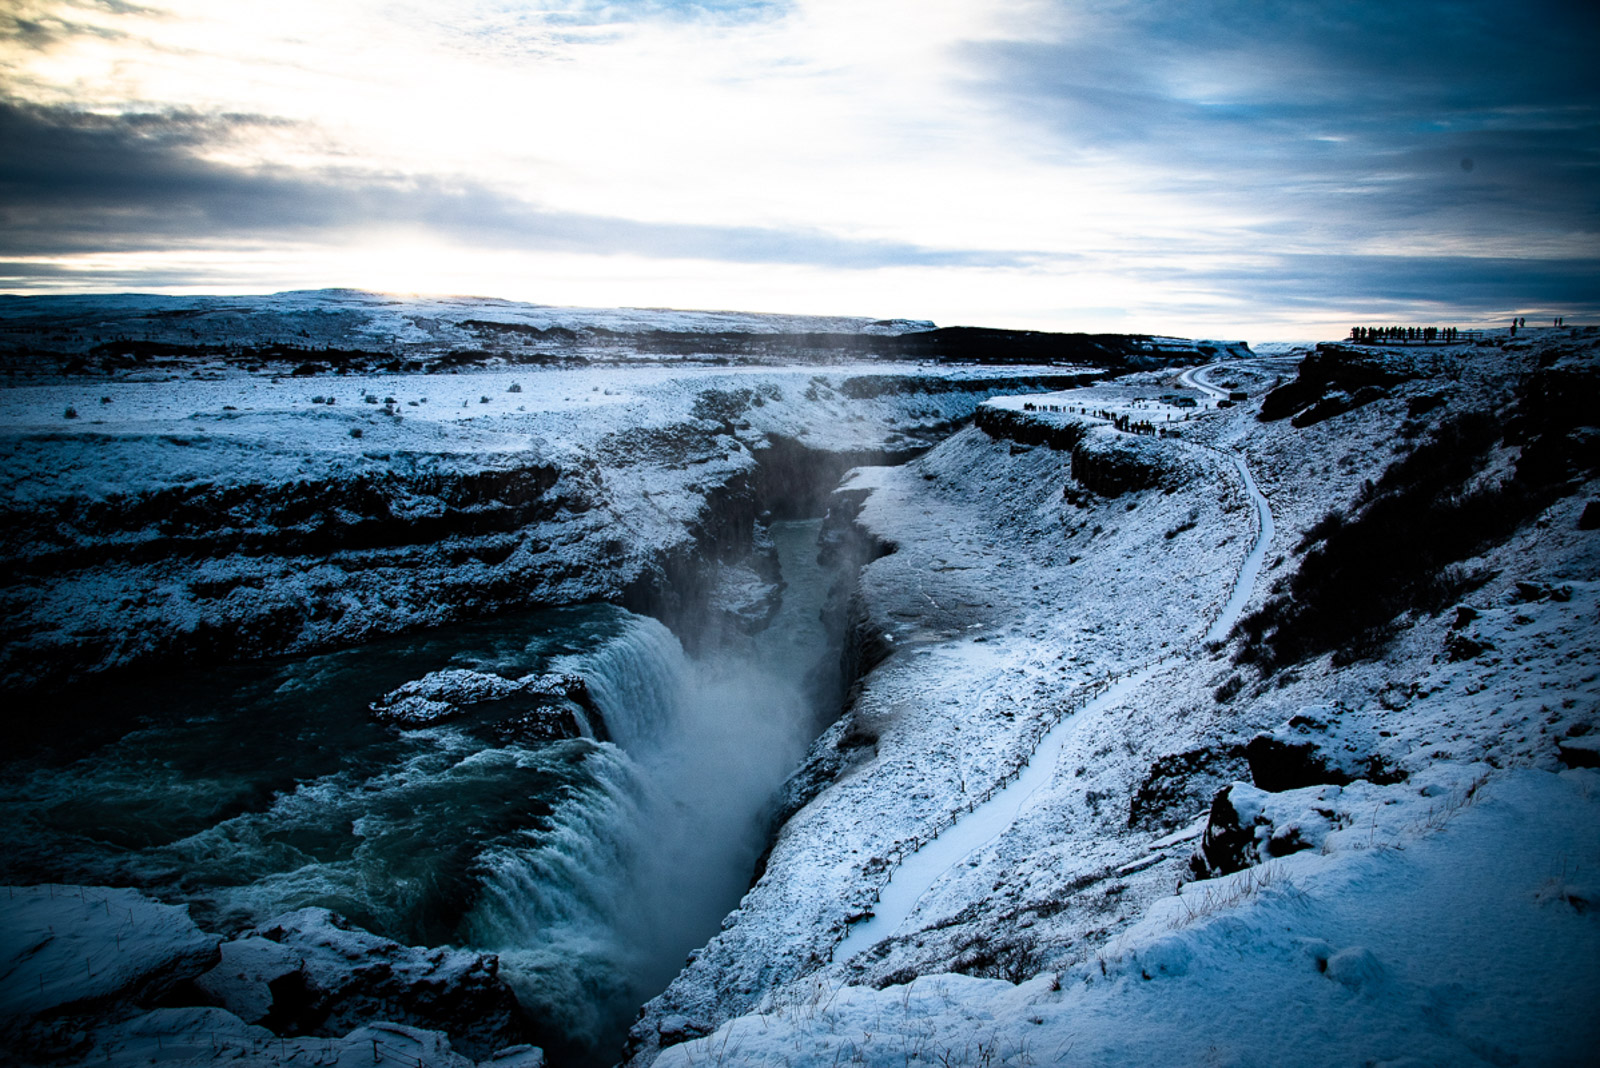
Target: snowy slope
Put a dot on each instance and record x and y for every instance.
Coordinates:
(1442, 929)
(1012, 596)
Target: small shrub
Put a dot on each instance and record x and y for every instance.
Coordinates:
(355, 432)
(71, 412)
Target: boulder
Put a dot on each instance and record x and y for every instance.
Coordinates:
(1248, 826)
(311, 972)
(1235, 832)
(1311, 749)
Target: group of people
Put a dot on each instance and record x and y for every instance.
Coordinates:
(1378, 335)
(1522, 321)
(1121, 420)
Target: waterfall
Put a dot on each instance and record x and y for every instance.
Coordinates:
(639, 681)
(593, 914)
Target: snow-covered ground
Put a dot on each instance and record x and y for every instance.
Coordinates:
(1074, 814)
(1437, 927)
(267, 514)
(352, 318)
(1438, 914)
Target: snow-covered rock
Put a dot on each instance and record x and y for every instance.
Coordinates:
(203, 1036)
(552, 705)
(1314, 747)
(311, 973)
(68, 949)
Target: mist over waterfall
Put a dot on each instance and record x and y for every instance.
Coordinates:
(594, 915)
(591, 867)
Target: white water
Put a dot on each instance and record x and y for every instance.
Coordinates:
(597, 913)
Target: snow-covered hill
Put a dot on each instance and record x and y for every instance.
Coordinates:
(355, 318)
(1244, 715)
(1395, 874)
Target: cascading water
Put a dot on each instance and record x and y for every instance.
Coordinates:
(680, 805)
(592, 868)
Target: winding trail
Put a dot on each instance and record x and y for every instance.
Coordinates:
(919, 871)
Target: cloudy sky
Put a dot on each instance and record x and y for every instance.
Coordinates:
(1255, 168)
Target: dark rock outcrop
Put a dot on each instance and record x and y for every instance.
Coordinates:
(1337, 378)
(1178, 784)
(1580, 752)
(1010, 425)
(1235, 835)
(1111, 463)
(311, 973)
(1313, 749)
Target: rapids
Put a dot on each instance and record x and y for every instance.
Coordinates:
(591, 867)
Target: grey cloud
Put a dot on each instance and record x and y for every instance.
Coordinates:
(80, 183)
(1399, 288)
(40, 25)
(1350, 117)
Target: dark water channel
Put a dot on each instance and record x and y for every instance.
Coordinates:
(591, 867)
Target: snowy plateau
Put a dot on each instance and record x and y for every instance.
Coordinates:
(1166, 702)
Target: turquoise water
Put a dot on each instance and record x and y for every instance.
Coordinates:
(591, 867)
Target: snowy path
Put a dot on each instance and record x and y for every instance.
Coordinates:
(919, 871)
(1194, 378)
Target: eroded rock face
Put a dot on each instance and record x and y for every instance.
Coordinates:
(1111, 463)
(311, 973)
(1060, 434)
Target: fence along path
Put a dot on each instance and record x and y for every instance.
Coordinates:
(904, 875)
